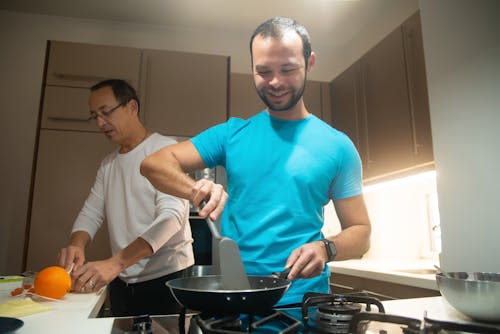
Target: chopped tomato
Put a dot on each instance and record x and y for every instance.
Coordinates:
(16, 291)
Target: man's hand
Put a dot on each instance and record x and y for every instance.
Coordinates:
(214, 195)
(307, 261)
(94, 275)
(73, 256)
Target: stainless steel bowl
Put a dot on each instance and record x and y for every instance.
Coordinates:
(475, 294)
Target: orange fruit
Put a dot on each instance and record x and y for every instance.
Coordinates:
(53, 282)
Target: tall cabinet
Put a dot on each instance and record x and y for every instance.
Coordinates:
(381, 102)
(70, 147)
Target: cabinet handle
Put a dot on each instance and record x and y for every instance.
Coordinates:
(62, 118)
(407, 49)
(78, 77)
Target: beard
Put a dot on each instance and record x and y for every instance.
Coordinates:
(296, 96)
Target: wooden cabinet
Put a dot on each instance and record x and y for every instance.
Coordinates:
(67, 164)
(245, 102)
(72, 68)
(184, 93)
(342, 284)
(417, 86)
(347, 107)
(82, 65)
(66, 108)
(381, 103)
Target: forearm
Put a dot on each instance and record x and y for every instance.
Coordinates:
(131, 254)
(166, 174)
(352, 242)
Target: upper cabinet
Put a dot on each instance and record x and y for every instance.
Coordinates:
(417, 85)
(82, 65)
(245, 101)
(180, 93)
(381, 103)
(72, 68)
(183, 93)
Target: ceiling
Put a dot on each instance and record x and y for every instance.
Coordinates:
(334, 21)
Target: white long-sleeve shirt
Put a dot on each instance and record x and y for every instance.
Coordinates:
(134, 208)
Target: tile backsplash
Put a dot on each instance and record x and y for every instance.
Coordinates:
(405, 219)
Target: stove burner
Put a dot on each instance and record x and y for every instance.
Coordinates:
(334, 312)
(275, 322)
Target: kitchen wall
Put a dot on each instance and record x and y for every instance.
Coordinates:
(401, 213)
(23, 38)
(462, 54)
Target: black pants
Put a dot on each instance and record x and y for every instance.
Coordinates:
(151, 297)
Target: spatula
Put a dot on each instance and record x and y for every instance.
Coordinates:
(231, 267)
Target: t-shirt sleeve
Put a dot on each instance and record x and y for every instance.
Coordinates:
(211, 145)
(348, 181)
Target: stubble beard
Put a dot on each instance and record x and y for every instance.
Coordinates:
(296, 96)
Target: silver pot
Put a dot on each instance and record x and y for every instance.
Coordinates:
(475, 294)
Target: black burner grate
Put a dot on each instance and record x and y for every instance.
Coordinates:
(275, 322)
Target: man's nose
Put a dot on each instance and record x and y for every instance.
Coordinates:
(275, 80)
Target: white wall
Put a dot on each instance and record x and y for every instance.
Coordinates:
(23, 40)
(400, 214)
(462, 53)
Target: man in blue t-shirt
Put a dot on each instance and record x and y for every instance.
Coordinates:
(283, 166)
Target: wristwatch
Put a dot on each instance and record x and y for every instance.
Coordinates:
(330, 248)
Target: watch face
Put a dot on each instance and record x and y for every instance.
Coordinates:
(330, 249)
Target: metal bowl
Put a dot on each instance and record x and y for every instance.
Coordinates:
(475, 294)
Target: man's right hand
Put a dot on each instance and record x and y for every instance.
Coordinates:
(213, 194)
(71, 257)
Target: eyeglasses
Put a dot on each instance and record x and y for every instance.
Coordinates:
(105, 114)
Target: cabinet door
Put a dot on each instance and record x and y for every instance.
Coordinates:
(347, 107)
(417, 84)
(387, 114)
(66, 108)
(65, 171)
(82, 65)
(244, 101)
(184, 93)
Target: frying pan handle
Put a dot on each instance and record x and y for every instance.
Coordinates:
(283, 274)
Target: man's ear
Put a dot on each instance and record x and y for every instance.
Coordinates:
(133, 107)
(311, 62)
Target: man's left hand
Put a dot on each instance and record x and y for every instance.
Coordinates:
(307, 261)
(92, 276)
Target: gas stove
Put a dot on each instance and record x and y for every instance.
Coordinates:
(332, 313)
(318, 313)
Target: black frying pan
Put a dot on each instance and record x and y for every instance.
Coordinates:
(207, 294)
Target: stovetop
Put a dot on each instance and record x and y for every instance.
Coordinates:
(318, 313)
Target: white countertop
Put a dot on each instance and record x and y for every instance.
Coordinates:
(74, 314)
(411, 273)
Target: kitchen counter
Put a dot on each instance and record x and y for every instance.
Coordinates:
(74, 314)
(420, 274)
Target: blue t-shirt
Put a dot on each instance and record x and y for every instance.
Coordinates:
(280, 175)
